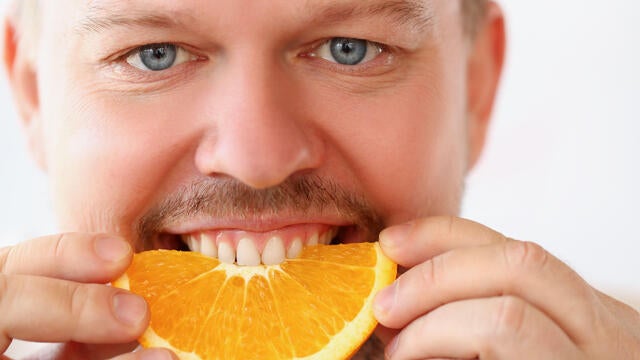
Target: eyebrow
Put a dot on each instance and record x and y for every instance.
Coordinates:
(417, 14)
(99, 19)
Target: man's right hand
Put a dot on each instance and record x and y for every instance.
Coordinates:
(53, 289)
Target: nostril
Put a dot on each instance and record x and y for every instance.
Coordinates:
(262, 155)
(261, 168)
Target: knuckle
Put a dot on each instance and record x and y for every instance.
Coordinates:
(432, 271)
(452, 224)
(525, 255)
(510, 317)
(59, 245)
(428, 273)
(79, 300)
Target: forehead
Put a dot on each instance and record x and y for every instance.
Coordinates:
(100, 14)
(399, 6)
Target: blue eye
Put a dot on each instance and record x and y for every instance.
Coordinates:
(348, 51)
(158, 57)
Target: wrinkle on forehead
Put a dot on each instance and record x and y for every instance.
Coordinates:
(100, 15)
(416, 13)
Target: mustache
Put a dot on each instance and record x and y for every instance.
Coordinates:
(230, 198)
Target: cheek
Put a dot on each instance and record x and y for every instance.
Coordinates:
(110, 157)
(405, 147)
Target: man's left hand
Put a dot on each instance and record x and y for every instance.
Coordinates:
(470, 292)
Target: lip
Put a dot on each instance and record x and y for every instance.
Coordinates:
(254, 224)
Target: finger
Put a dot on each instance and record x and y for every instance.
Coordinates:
(385, 334)
(412, 243)
(515, 268)
(75, 350)
(51, 310)
(491, 328)
(72, 256)
(148, 354)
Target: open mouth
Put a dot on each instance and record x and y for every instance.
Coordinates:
(253, 248)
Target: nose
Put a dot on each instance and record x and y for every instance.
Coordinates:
(259, 133)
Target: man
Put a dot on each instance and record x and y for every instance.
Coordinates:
(166, 124)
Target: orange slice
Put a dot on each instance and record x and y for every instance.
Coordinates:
(317, 306)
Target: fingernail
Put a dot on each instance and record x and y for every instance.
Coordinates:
(129, 309)
(385, 300)
(395, 235)
(111, 248)
(156, 354)
(391, 348)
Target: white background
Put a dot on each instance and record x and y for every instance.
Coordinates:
(561, 167)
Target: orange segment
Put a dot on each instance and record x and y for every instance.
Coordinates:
(219, 334)
(170, 322)
(317, 306)
(146, 280)
(349, 286)
(308, 321)
(260, 321)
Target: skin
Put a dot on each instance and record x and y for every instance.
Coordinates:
(398, 133)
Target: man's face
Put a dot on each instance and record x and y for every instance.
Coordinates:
(248, 119)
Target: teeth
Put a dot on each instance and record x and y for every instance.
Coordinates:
(313, 239)
(325, 238)
(226, 254)
(247, 253)
(294, 249)
(208, 246)
(273, 252)
(195, 242)
(192, 242)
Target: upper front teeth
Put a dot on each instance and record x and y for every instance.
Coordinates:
(247, 253)
(226, 253)
(294, 249)
(207, 246)
(273, 252)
